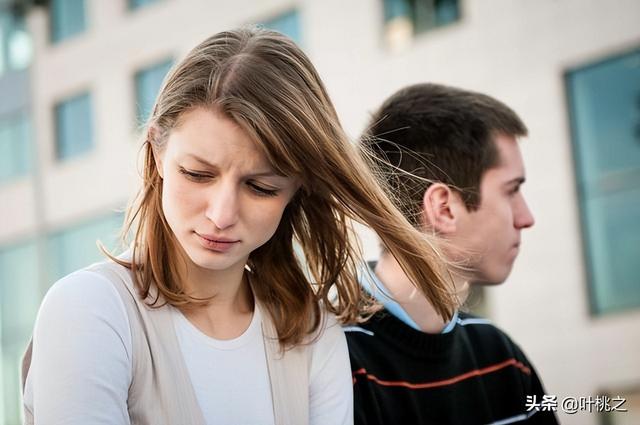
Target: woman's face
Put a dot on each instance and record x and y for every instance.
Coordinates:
(220, 196)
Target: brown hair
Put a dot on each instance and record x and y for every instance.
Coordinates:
(439, 134)
(263, 82)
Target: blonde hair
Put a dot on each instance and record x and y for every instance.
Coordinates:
(264, 83)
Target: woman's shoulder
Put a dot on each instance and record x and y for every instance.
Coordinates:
(330, 372)
(327, 336)
(82, 294)
(97, 277)
(82, 330)
(80, 283)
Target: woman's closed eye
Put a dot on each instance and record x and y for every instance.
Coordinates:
(195, 176)
(261, 190)
(201, 177)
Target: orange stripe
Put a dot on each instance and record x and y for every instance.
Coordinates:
(444, 382)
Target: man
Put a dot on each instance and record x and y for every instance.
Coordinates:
(461, 180)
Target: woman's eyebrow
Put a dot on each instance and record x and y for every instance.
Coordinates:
(269, 173)
(265, 173)
(200, 160)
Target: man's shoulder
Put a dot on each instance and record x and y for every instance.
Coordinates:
(374, 337)
(369, 330)
(482, 333)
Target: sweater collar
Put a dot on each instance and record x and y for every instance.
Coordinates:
(420, 344)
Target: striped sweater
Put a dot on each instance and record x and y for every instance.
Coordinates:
(474, 374)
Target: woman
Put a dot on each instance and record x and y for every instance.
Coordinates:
(210, 317)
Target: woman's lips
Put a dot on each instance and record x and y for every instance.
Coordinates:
(217, 243)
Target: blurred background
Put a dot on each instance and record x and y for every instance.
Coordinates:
(77, 77)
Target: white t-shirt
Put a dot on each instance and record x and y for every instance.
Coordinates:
(82, 364)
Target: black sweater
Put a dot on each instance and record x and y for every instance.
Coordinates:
(474, 374)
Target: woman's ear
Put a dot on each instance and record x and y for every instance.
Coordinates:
(439, 208)
(152, 137)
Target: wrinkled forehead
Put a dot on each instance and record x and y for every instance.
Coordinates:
(211, 138)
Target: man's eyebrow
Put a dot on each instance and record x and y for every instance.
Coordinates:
(517, 181)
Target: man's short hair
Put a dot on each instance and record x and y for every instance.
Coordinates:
(441, 134)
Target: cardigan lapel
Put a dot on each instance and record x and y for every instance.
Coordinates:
(161, 382)
(289, 376)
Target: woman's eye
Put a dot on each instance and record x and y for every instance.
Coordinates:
(194, 175)
(262, 191)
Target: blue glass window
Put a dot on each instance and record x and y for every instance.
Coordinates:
(67, 19)
(135, 4)
(288, 24)
(604, 101)
(148, 82)
(16, 50)
(422, 14)
(74, 248)
(74, 126)
(15, 142)
(19, 298)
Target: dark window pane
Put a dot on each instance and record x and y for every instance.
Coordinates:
(15, 142)
(67, 18)
(74, 127)
(135, 4)
(604, 103)
(148, 82)
(423, 15)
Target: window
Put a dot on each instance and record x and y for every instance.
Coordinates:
(21, 293)
(74, 126)
(15, 43)
(135, 4)
(14, 146)
(288, 24)
(404, 18)
(74, 248)
(604, 106)
(148, 82)
(67, 19)
(19, 299)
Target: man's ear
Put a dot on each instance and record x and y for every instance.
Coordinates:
(152, 135)
(439, 206)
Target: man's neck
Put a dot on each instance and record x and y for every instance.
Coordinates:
(412, 301)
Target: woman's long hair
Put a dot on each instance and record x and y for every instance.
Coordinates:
(264, 83)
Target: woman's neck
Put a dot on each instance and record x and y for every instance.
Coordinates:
(228, 312)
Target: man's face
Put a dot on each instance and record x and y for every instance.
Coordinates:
(487, 240)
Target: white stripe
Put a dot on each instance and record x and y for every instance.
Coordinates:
(517, 418)
(463, 322)
(357, 329)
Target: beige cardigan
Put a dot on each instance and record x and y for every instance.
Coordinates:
(161, 391)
